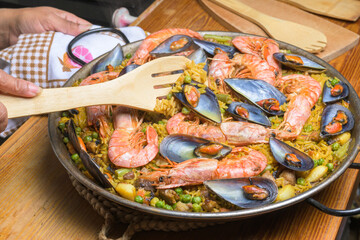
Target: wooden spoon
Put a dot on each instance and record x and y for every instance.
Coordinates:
(137, 89)
(299, 35)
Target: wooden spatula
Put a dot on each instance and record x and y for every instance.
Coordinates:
(138, 89)
(299, 35)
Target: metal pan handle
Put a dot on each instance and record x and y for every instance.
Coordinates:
(336, 212)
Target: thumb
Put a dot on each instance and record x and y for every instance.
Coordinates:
(3, 117)
(16, 86)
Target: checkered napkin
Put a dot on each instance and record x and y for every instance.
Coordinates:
(42, 58)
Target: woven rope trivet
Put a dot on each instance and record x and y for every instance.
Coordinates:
(138, 221)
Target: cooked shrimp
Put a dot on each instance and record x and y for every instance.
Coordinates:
(303, 92)
(259, 46)
(259, 68)
(98, 116)
(127, 144)
(196, 171)
(142, 54)
(220, 68)
(177, 124)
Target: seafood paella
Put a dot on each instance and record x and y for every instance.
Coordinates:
(246, 124)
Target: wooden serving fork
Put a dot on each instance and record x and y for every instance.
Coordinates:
(299, 35)
(137, 89)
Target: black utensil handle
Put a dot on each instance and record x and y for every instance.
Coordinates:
(81, 35)
(355, 165)
(331, 211)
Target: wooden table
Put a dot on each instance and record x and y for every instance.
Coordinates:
(37, 200)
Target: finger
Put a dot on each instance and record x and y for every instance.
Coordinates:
(17, 87)
(3, 117)
(69, 27)
(72, 17)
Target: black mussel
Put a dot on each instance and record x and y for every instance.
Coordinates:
(180, 147)
(128, 68)
(258, 92)
(336, 119)
(89, 163)
(243, 111)
(199, 56)
(210, 47)
(113, 58)
(289, 156)
(336, 92)
(298, 62)
(205, 104)
(245, 192)
(173, 45)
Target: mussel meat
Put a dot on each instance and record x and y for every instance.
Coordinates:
(180, 147)
(173, 45)
(298, 62)
(89, 163)
(336, 119)
(206, 105)
(244, 192)
(243, 111)
(335, 93)
(289, 156)
(210, 47)
(114, 58)
(258, 92)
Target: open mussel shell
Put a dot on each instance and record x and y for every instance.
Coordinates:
(289, 156)
(199, 56)
(298, 62)
(90, 165)
(128, 68)
(207, 106)
(255, 90)
(173, 45)
(180, 147)
(331, 98)
(113, 58)
(243, 111)
(210, 47)
(232, 190)
(328, 115)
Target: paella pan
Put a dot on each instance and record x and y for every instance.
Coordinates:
(171, 143)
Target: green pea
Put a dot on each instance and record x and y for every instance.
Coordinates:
(334, 81)
(315, 162)
(161, 122)
(87, 139)
(320, 161)
(65, 140)
(226, 98)
(139, 199)
(301, 181)
(196, 207)
(143, 129)
(61, 125)
(128, 56)
(178, 190)
(185, 110)
(196, 199)
(78, 130)
(94, 135)
(187, 79)
(185, 198)
(174, 206)
(65, 114)
(222, 110)
(308, 128)
(160, 204)
(168, 207)
(75, 157)
(169, 96)
(335, 146)
(330, 166)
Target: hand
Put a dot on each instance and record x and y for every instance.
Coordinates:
(14, 22)
(17, 87)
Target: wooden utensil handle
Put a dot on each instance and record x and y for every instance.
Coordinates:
(52, 100)
(247, 12)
